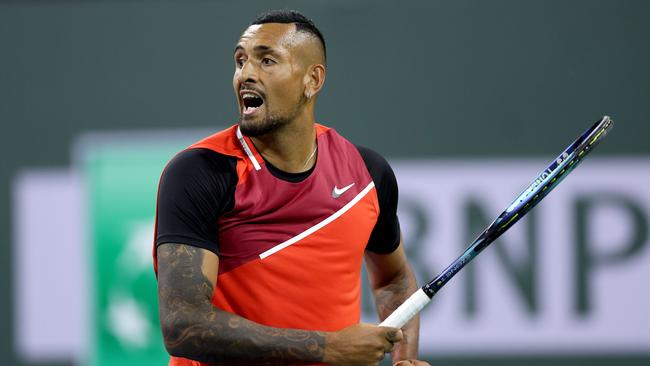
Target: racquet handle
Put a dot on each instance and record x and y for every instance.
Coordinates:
(407, 310)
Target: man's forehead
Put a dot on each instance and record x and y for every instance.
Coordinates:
(271, 34)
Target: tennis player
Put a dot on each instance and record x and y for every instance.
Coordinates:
(261, 229)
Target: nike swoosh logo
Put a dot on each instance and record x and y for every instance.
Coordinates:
(337, 192)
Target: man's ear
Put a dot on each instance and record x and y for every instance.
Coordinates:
(314, 80)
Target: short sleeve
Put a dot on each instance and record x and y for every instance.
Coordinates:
(196, 187)
(385, 236)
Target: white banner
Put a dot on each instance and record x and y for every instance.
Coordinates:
(571, 277)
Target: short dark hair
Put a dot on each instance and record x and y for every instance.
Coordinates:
(285, 16)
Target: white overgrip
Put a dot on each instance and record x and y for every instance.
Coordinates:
(407, 310)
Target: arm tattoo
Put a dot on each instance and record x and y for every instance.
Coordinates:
(195, 329)
(393, 294)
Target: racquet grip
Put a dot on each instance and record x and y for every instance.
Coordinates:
(407, 310)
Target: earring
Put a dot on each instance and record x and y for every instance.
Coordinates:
(308, 94)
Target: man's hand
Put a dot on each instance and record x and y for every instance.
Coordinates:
(360, 344)
(412, 363)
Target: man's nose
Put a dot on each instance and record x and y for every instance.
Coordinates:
(248, 73)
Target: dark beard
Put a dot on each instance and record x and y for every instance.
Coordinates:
(270, 125)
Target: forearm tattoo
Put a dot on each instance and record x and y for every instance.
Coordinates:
(195, 329)
(388, 298)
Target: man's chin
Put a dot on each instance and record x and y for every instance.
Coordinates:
(254, 128)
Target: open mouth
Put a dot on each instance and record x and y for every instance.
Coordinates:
(251, 102)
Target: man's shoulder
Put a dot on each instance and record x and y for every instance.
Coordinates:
(224, 142)
(195, 161)
(371, 157)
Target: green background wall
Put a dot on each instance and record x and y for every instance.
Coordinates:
(409, 79)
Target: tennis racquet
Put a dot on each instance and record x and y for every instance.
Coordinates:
(538, 189)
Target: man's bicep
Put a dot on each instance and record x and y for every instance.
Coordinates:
(186, 280)
(186, 273)
(384, 268)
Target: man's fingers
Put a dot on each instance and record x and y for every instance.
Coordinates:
(388, 348)
(391, 336)
(394, 335)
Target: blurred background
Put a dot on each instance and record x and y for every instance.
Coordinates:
(468, 100)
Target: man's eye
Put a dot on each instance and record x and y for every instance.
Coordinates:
(240, 62)
(267, 61)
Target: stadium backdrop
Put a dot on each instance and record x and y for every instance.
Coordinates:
(468, 99)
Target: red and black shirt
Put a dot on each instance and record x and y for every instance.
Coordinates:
(290, 246)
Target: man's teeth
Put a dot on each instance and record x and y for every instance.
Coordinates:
(249, 109)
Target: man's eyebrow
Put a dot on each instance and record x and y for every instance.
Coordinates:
(262, 48)
(257, 49)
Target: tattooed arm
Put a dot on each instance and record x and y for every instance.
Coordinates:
(392, 282)
(193, 328)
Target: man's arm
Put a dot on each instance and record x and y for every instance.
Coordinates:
(392, 282)
(193, 328)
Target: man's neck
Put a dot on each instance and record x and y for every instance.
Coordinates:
(291, 148)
